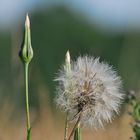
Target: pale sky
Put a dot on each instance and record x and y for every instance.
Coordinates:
(115, 14)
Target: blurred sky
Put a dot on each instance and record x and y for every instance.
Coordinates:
(12, 10)
(116, 14)
(119, 15)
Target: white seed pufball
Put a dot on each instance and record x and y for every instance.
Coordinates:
(92, 89)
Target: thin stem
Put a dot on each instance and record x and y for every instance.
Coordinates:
(75, 126)
(27, 100)
(77, 133)
(66, 127)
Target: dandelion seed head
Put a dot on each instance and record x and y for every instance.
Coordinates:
(91, 87)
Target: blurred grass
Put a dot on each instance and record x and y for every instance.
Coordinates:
(47, 126)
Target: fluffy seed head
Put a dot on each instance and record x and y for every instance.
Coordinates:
(91, 89)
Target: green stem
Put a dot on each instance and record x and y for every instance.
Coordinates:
(75, 126)
(27, 101)
(77, 134)
(66, 127)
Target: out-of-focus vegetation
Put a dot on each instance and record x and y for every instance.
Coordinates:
(54, 31)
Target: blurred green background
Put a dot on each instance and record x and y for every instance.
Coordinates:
(54, 31)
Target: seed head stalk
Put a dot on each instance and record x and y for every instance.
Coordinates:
(77, 134)
(76, 129)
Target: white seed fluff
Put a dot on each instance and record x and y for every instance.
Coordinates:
(91, 89)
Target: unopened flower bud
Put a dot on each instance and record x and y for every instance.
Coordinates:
(67, 59)
(26, 52)
(67, 62)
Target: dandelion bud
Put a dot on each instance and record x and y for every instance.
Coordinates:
(92, 92)
(67, 59)
(26, 52)
(67, 62)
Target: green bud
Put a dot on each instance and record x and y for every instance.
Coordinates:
(26, 52)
